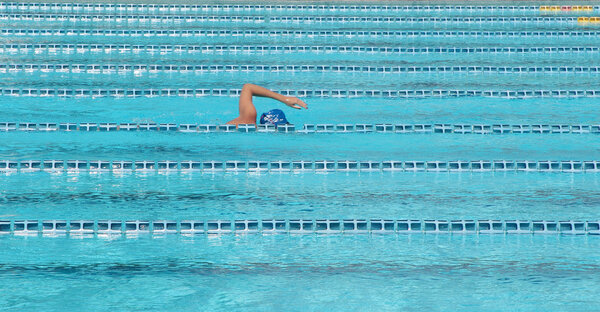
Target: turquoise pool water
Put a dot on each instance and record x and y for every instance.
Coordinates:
(278, 272)
(449, 159)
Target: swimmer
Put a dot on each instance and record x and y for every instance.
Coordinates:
(272, 117)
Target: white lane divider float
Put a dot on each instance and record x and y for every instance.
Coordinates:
(281, 166)
(296, 226)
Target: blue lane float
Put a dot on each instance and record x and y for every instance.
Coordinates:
(296, 226)
(256, 19)
(286, 166)
(191, 9)
(98, 48)
(198, 68)
(303, 129)
(290, 33)
(309, 93)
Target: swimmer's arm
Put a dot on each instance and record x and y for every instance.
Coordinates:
(247, 109)
(290, 101)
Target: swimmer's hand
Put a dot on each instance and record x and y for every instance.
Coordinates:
(294, 102)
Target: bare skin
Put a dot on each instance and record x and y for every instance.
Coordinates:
(247, 109)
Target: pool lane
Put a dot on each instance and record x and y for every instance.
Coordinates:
(218, 110)
(393, 195)
(271, 147)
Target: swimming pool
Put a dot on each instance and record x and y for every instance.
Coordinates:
(449, 159)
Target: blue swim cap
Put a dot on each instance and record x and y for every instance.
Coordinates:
(273, 117)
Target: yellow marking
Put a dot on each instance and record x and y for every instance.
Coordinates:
(583, 20)
(567, 8)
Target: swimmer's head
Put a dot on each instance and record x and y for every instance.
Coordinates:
(273, 117)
